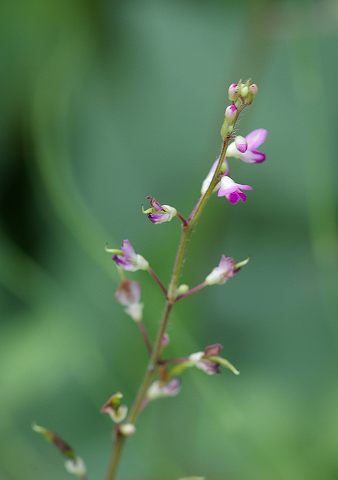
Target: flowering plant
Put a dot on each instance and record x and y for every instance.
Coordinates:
(162, 377)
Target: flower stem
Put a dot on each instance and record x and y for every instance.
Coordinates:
(158, 281)
(171, 298)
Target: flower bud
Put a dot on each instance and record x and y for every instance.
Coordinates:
(127, 429)
(241, 144)
(182, 289)
(233, 91)
(231, 112)
(253, 89)
(165, 340)
(243, 90)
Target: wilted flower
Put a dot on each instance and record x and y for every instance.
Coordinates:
(127, 259)
(114, 408)
(201, 359)
(222, 273)
(232, 190)
(225, 270)
(158, 213)
(159, 389)
(73, 464)
(251, 155)
(76, 467)
(210, 362)
(128, 294)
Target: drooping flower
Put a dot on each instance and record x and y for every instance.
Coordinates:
(158, 213)
(251, 155)
(160, 390)
(232, 190)
(128, 259)
(114, 408)
(128, 294)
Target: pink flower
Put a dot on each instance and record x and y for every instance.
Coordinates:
(232, 190)
(251, 155)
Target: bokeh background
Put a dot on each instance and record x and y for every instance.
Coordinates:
(103, 103)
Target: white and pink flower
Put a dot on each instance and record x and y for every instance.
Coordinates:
(250, 155)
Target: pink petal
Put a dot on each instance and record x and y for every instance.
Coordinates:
(127, 248)
(256, 138)
(244, 187)
(253, 156)
(233, 198)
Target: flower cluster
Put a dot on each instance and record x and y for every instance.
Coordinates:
(242, 148)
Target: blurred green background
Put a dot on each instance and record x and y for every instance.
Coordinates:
(103, 103)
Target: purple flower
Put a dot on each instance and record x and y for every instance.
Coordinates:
(127, 259)
(158, 213)
(223, 272)
(251, 155)
(128, 294)
(232, 190)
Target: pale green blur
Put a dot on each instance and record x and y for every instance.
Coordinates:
(102, 104)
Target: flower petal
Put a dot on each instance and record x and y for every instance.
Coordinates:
(256, 138)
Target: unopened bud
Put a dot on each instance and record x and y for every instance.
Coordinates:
(182, 289)
(253, 89)
(230, 112)
(244, 90)
(127, 429)
(233, 91)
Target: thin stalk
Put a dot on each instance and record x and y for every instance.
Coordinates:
(145, 336)
(171, 297)
(158, 281)
(193, 290)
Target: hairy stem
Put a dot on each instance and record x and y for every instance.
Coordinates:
(171, 298)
